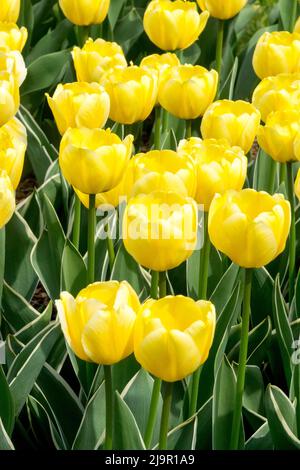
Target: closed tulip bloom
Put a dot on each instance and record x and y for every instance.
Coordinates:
(13, 144)
(94, 160)
(222, 9)
(219, 167)
(7, 199)
(9, 97)
(98, 324)
(173, 336)
(12, 37)
(160, 229)
(85, 12)
(235, 121)
(79, 105)
(186, 91)
(173, 25)
(277, 137)
(132, 92)
(96, 58)
(13, 63)
(297, 185)
(277, 52)
(9, 11)
(157, 63)
(277, 93)
(250, 227)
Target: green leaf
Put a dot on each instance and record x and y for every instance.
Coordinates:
(261, 439)
(16, 310)
(2, 262)
(7, 410)
(127, 435)
(31, 329)
(225, 287)
(262, 170)
(285, 13)
(128, 29)
(73, 270)
(127, 269)
(114, 12)
(5, 442)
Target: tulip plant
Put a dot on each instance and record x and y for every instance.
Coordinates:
(149, 225)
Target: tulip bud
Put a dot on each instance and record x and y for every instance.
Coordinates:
(85, 12)
(250, 227)
(7, 199)
(222, 9)
(10, 97)
(13, 143)
(13, 63)
(98, 324)
(12, 37)
(173, 336)
(235, 121)
(94, 160)
(9, 11)
(173, 25)
(297, 185)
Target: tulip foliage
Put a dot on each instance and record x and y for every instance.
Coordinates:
(149, 224)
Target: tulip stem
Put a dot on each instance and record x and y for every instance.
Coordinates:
(154, 284)
(273, 173)
(282, 176)
(76, 223)
(236, 422)
(165, 120)
(82, 33)
(153, 412)
(110, 247)
(108, 407)
(91, 238)
(219, 50)
(162, 284)
(188, 129)
(157, 127)
(164, 424)
(292, 244)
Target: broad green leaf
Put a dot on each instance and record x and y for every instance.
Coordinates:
(127, 435)
(7, 411)
(5, 442)
(261, 439)
(30, 330)
(225, 288)
(114, 12)
(263, 171)
(16, 310)
(126, 268)
(2, 261)
(73, 270)
(30, 210)
(285, 13)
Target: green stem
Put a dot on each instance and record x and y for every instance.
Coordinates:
(76, 223)
(235, 431)
(164, 424)
(293, 16)
(82, 33)
(272, 177)
(153, 412)
(154, 284)
(162, 283)
(292, 244)
(91, 238)
(219, 50)
(157, 127)
(165, 120)
(108, 407)
(282, 176)
(188, 129)
(110, 247)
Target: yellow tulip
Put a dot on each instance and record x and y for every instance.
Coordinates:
(12, 37)
(277, 52)
(297, 26)
(186, 91)
(85, 12)
(7, 199)
(219, 167)
(277, 137)
(79, 105)
(9, 11)
(173, 336)
(277, 93)
(163, 170)
(222, 9)
(96, 58)
(173, 25)
(94, 160)
(13, 143)
(98, 324)
(250, 227)
(10, 97)
(132, 92)
(13, 63)
(235, 121)
(160, 229)
(297, 185)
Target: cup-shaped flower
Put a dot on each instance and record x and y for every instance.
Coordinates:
(173, 25)
(94, 160)
(173, 336)
(85, 12)
(9, 11)
(219, 167)
(98, 324)
(160, 229)
(281, 92)
(277, 52)
(297, 185)
(96, 58)
(186, 91)
(222, 9)
(235, 121)
(7, 199)
(132, 92)
(12, 37)
(250, 227)
(13, 144)
(79, 104)
(13, 63)
(10, 97)
(277, 137)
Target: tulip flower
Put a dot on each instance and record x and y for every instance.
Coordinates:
(160, 229)
(10, 97)
(219, 167)
(222, 9)
(9, 11)
(79, 105)
(276, 53)
(277, 137)
(13, 143)
(94, 160)
(297, 185)
(159, 62)
(172, 345)
(186, 91)
(281, 92)
(235, 121)
(12, 37)
(7, 199)
(132, 92)
(13, 63)
(85, 12)
(173, 25)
